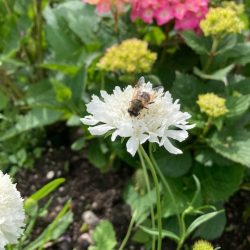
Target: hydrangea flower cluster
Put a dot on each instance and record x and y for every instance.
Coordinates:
(160, 122)
(131, 56)
(105, 6)
(187, 14)
(11, 212)
(202, 245)
(212, 105)
(223, 20)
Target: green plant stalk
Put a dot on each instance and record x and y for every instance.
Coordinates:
(130, 227)
(183, 235)
(166, 185)
(144, 168)
(158, 196)
(212, 53)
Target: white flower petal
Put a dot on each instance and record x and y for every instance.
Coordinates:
(179, 135)
(143, 138)
(11, 212)
(171, 148)
(100, 129)
(89, 120)
(132, 145)
(110, 112)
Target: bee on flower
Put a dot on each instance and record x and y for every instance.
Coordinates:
(140, 114)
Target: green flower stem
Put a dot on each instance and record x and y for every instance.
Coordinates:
(167, 187)
(158, 196)
(130, 227)
(144, 168)
(212, 53)
(183, 235)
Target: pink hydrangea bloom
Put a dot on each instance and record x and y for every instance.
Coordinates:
(105, 6)
(186, 13)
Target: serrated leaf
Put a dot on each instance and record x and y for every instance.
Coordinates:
(195, 42)
(104, 237)
(233, 144)
(35, 118)
(140, 204)
(237, 105)
(240, 54)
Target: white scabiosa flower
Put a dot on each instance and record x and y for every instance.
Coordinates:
(11, 212)
(159, 121)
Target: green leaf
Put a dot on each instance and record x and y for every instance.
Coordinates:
(54, 230)
(200, 220)
(187, 88)
(78, 144)
(173, 165)
(155, 35)
(237, 105)
(3, 100)
(219, 182)
(104, 237)
(63, 93)
(240, 54)
(140, 204)
(165, 233)
(37, 117)
(242, 86)
(96, 156)
(219, 75)
(227, 43)
(41, 94)
(185, 191)
(233, 144)
(47, 189)
(197, 43)
(213, 228)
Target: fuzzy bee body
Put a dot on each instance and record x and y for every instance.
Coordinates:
(141, 99)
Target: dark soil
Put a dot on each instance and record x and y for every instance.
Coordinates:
(89, 189)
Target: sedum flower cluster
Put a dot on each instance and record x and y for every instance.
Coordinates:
(186, 13)
(11, 212)
(131, 56)
(105, 6)
(223, 20)
(202, 245)
(160, 122)
(212, 105)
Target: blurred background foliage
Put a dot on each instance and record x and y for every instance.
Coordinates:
(49, 55)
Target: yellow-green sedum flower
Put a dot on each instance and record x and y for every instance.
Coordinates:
(212, 105)
(223, 20)
(131, 56)
(202, 245)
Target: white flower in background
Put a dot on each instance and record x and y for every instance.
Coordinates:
(159, 121)
(11, 212)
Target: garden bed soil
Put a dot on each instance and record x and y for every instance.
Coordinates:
(101, 193)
